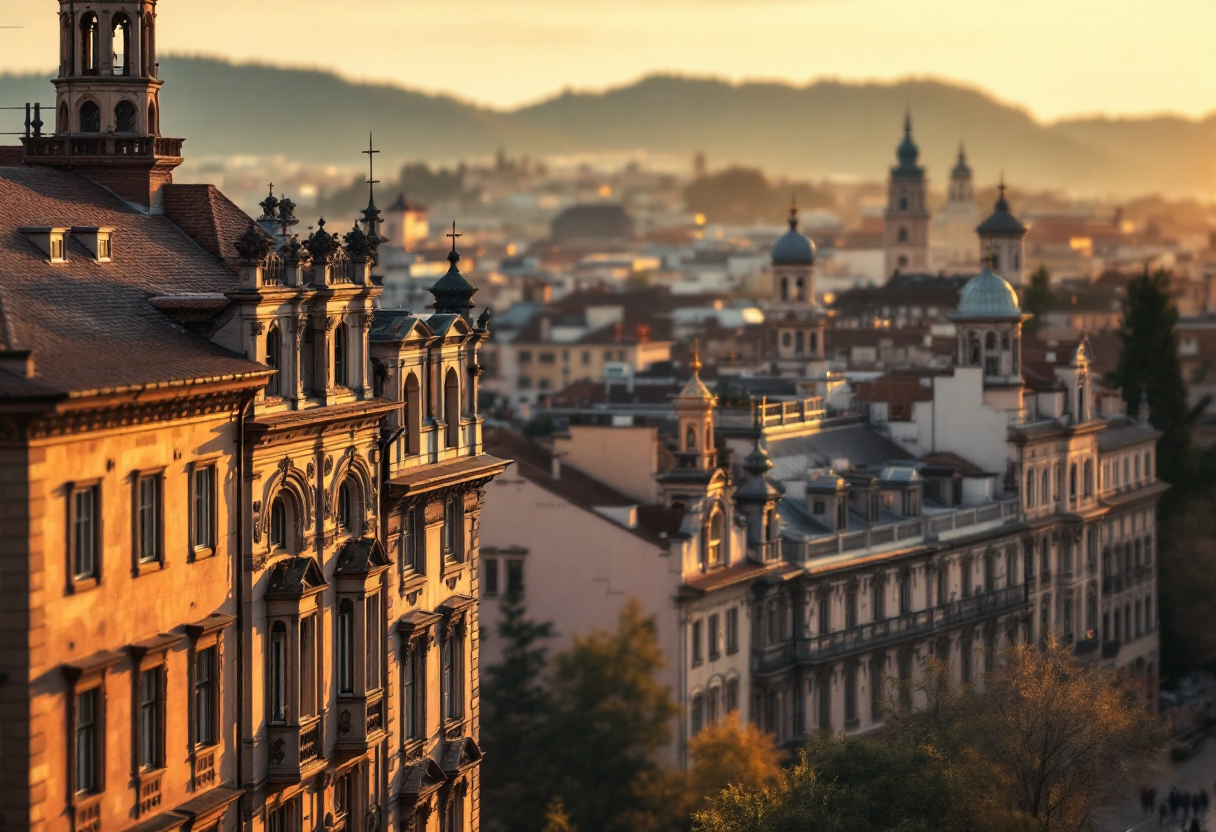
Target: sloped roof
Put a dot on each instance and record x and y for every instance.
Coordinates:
(91, 324)
(859, 443)
(211, 219)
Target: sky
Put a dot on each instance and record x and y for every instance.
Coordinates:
(1056, 58)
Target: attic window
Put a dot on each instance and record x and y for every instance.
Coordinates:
(51, 241)
(96, 240)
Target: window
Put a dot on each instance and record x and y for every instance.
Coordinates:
(202, 509)
(85, 532)
(451, 526)
(515, 577)
(850, 609)
(1045, 493)
(274, 387)
(876, 689)
(284, 817)
(278, 524)
(373, 638)
(879, 598)
(124, 117)
(206, 700)
(905, 594)
(713, 704)
(825, 616)
(825, 704)
(850, 696)
(715, 637)
(409, 546)
(943, 575)
(525, 356)
(307, 667)
(413, 693)
(714, 540)
(90, 117)
(451, 408)
(344, 793)
(489, 576)
(340, 355)
(346, 647)
(151, 738)
(347, 506)
(148, 518)
(732, 630)
(278, 672)
(453, 676)
(90, 47)
(697, 655)
(965, 570)
(731, 699)
(87, 746)
(453, 816)
(698, 714)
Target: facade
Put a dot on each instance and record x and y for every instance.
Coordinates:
(906, 225)
(256, 497)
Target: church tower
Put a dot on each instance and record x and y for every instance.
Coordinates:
(694, 408)
(107, 101)
(793, 318)
(907, 219)
(962, 191)
(955, 249)
(1003, 240)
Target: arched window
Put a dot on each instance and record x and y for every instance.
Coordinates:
(1045, 494)
(976, 354)
(990, 342)
(90, 45)
(903, 205)
(349, 507)
(346, 646)
(1148, 465)
(1072, 481)
(690, 439)
(798, 342)
(413, 413)
(1082, 401)
(147, 61)
(996, 261)
(451, 407)
(786, 340)
(451, 529)
(798, 287)
(153, 123)
(278, 523)
(1089, 477)
(90, 117)
(1004, 340)
(785, 288)
(120, 45)
(713, 540)
(274, 387)
(124, 117)
(340, 355)
(62, 125)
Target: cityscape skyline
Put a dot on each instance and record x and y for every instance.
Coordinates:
(1077, 64)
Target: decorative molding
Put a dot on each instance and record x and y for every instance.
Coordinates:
(257, 327)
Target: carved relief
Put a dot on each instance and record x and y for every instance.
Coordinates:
(311, 469)
(329, 465)
(301, 327)
(344, 722)
(278, 751)
(433, 512)
(257, 327)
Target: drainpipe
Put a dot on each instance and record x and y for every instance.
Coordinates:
(238, 568)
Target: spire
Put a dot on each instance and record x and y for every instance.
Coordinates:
(908, 154)
(453, 293)
(696, 358)
(961, 169)
(759, 488)
(371, 214)
(695, 390)
(793, 211)
(1001, 203)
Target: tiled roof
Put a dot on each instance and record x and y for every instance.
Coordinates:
(91, 324)
(209, 217)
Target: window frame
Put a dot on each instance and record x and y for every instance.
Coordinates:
(714, 629)
(515, 576)
(79, 581)
(200, 549)
(732, 630)
(697, 652)
(453, 670)
(141, 525)
(489, 576)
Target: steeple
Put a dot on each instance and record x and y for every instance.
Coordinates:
(758, 497)
(453, 293)
(107, 101)
(906, 236)
(1002, 237)
(371, 214)
(908, 154)
(694, 408)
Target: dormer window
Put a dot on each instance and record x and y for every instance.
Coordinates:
(96, 240)
(51, 240)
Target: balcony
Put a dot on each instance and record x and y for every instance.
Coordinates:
(295, 750)
(773, 414)
(66, 147)
(360, 721)
(891, 631)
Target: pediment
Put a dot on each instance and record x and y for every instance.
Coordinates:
(295, 577)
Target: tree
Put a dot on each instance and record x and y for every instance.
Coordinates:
(1186, 585)
(729, 754)
(1038, 300)
(610, 717)
(1148, 364)
(516, 708)
(556, 818)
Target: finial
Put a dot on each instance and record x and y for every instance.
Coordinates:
(908, 121)
(453, 256)
(696, 357)
(371, 176)
(962, 152)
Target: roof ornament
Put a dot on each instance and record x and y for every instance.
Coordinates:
(357, 246)
(695, 364)
(268, 205)
(453, 292)
(253, 245)
(286, 218)
(321, 244)
(371, 214)
(483, 320)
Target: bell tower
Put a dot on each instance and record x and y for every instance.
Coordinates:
(107, 101)
(906, 222)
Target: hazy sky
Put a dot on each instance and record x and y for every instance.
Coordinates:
(1055, 57)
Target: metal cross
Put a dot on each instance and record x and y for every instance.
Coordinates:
(371, 177)
(454, 235)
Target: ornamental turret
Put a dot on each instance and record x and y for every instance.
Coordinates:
(453, 292)
(1003, 240)
(694, 408)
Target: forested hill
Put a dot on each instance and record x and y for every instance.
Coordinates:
(823, 129)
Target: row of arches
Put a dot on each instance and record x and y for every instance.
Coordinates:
(987, 349)
(126, 118)
(290, 512)
(82, 48)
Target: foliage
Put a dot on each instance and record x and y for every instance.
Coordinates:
(556, 818)
(744, 195)
(1046, 742)
(515, 712)
(1037, 299)
(729, 754)
(1186, 585)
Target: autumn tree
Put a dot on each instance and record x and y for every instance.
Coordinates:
(729, 754)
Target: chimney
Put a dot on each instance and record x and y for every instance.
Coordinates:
(18, 362)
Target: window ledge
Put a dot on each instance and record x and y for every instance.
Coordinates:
(83, 585)
(144, 567)
(412, 583)
(202, 553)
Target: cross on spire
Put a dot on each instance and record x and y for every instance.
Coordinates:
(371, 158)
(454, 234)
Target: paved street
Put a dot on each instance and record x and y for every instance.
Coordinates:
(1189, 776)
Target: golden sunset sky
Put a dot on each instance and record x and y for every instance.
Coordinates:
(1054, 57)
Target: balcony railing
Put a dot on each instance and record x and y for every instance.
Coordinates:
(882, 633)
(908, 531)
(68, 146)
(773, 414)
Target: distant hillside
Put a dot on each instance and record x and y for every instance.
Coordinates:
(824, 129)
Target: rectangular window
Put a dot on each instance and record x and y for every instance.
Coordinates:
(87, 749)
(697, 657)
(410, 550)
(515, 577)
(202, 514)
(278, 672)
(698, 714)
(732, 630)
(850, 696)
(373, 638)
(451, 529)
(715, 637)
(150, 738)
(413, 693)
(284, 817)
(345, 647)
(732, 695)
(489, 576)
(147, 520)
(307, 666)
(850, 609)
(453, 677)
(206, 698)
(344, 794)
(825, 617)
(525, 356)
(85, 527)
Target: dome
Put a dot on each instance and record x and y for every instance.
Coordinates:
(961, 170)
(1001, 220)
(908, 154)
(793, 248)
(988, 295)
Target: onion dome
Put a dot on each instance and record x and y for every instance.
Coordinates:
(908, 154)
(793, 248)
(961, 170)
(986, 296)
(453, 293)
(760, 488)
(1001, 220)
(321, 244)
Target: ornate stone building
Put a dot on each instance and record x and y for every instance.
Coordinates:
(243, 506)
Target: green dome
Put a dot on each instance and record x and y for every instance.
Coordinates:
(988, 295)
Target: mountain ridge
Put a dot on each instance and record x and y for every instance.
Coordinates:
(827, 128)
